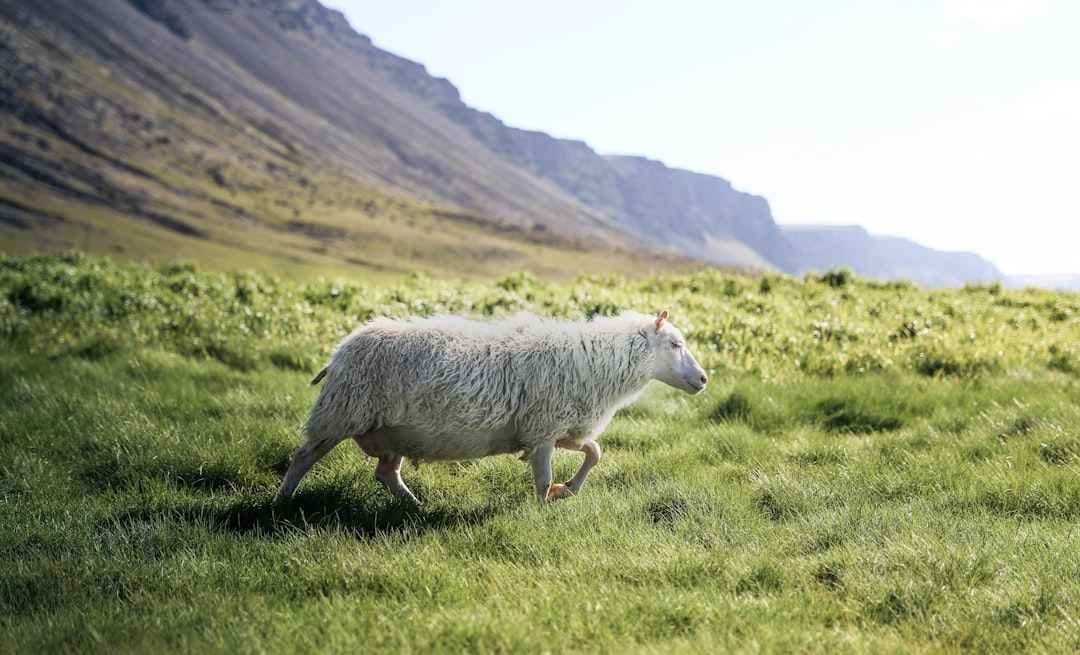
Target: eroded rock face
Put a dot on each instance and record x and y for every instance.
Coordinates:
(154, 107)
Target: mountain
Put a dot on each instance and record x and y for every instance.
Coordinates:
(824, 247)
(1059, 282)
(272, 131)
(700, 215)
(267, 133)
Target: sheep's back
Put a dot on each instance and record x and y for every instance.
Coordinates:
(452, 375)
(432, 379)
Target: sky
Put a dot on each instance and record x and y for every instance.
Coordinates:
(954, 123)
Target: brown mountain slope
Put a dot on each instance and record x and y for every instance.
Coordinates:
(269, 132)
(248, 130)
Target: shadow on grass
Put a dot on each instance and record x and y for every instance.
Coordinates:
(331, 508)
(316, 509)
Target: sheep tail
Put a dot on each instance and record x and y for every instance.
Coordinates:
(318, 377)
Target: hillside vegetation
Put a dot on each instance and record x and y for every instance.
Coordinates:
(118, 137)
(270, 133)
(874, 468)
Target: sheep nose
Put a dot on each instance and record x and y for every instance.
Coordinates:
(704, 379)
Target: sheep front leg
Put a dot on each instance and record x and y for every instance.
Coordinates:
(573, 485)
(541, 468)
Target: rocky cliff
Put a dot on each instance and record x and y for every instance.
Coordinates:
(193, 114)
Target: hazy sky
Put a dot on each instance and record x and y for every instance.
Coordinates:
(955, 123)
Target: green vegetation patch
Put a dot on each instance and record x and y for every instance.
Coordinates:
(828, 493)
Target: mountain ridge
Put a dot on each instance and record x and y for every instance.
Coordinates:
(120, 136)
(211, 117)
(823, 247)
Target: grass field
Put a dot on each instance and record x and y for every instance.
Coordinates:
(874, 468)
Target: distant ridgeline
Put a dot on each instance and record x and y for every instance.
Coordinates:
(271, 129)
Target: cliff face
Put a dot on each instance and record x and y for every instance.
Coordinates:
(699, 215)
(135, 104)
(707, 217)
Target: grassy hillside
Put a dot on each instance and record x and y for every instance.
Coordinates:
(874, 468)
(120, 139)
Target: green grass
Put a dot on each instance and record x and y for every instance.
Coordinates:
(863, 475)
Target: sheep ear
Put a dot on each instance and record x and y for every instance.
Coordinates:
(660, 319)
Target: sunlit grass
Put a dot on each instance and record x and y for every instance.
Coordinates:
(809, 508)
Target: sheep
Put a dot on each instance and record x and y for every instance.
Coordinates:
(447, 388)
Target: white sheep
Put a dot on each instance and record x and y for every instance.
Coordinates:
(445, 388)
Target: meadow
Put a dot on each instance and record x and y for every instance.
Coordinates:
(875, 467)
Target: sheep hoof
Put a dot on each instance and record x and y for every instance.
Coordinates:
(559, 491)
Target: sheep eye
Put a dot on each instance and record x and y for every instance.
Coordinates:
(676, 345)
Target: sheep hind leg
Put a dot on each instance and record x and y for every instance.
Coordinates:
(388, 472)
(302, 461)
(573, 485)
